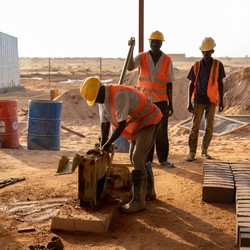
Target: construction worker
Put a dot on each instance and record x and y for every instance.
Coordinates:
(155, 82)
(205, 92)
(135, 118)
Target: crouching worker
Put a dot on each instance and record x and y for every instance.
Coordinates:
(135, 118)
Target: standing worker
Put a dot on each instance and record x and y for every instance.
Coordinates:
(155, 82)
(205, 92)
(134, 117)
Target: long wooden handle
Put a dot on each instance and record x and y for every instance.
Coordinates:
(125, 66)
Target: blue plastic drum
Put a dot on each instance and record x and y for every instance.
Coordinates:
(121, 144)
(44, 125)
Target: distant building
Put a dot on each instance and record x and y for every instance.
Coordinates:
(9, 64)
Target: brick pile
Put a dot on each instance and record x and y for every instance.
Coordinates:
(242, 202)
(229, 183)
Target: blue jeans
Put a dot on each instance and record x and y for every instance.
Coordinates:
(199, 109)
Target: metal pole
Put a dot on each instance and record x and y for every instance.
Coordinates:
(141, 25)
(100, 68)
(49, 72)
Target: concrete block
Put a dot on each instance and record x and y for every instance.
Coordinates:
(218, 193)
(244, 237)
(75, 218)
(240, 225)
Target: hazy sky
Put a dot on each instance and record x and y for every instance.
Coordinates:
(101, 28)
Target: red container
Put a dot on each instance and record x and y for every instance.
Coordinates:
(9, 136)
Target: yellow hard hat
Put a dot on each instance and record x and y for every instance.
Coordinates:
(156, 35)
(89, 89)
(207, 44)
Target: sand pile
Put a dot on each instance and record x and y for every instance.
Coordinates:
(237, 92)
(75, 108)
(236, 97)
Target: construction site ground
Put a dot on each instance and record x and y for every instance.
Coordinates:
(178, 219)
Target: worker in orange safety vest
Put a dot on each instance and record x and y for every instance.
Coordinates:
(155, 82)
(134, 117)
(205, 93)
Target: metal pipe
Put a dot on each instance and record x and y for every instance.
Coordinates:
(141, 25)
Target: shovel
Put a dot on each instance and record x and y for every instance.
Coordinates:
(68, 165)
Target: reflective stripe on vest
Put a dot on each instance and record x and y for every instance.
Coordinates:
(144, 115)
(157, 88)
(212, 87)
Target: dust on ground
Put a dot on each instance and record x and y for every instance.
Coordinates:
(178, 219)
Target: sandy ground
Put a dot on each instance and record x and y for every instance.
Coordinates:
(178, 219)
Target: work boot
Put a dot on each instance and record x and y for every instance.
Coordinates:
(205, 154)
(191, 157)
(55, 244)
(150, 195)
(139, 186)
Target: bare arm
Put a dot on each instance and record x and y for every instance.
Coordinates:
(170, 98)
(116, 133)
(190, 107)
(105, 127)
(221, 93)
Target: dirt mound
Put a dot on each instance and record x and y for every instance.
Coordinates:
(236, 97)
(75, 107)
(237, 90)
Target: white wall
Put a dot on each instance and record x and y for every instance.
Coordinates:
(9, 64)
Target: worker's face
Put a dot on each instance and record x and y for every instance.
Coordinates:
(155, 45)
(207, 55)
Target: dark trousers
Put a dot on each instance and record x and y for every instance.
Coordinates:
(161, 141)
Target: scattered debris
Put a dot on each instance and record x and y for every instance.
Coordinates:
(26, 229)
(35, 211)
(10, 181)
(72, 131)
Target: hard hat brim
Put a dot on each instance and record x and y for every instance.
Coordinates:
(91, 103)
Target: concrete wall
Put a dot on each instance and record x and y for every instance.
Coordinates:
(9, 64)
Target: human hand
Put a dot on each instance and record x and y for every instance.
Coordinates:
(106, 148)
(170, 111)
(190, 108)
(221, 107)
(131, 41)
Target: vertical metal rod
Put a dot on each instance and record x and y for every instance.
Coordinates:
(141, 25)
(49, 72)
(100, 68)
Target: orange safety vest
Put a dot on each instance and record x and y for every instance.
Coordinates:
(212, 87)
(157, 88)
(145, 114)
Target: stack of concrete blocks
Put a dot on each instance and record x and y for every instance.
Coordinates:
(242, 185)
(218, 183)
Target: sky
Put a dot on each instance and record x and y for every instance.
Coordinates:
(102, 28)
